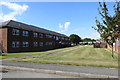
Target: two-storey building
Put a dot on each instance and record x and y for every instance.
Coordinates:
(19, 37)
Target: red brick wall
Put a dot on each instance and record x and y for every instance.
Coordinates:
(119, 47)
(3, 39)
(116, 47)
(29, 39)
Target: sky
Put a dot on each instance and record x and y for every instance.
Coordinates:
(63, 17)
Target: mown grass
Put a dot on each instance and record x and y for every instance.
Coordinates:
(84, 56)
(22, 54)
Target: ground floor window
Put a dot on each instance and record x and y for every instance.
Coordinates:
(15, 44)
(35, 44)
(48, 43)
(41, 43)
(25, 44)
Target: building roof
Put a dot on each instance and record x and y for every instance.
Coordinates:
(20, 25)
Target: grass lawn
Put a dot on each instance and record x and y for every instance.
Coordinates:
(84, 56)
(15, 55)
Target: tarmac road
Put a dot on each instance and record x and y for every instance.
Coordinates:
(68, 68)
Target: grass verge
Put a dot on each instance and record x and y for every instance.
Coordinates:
(84, 56)
(22, 54)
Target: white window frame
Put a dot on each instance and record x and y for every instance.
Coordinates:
(15, 32)
(41, 35)
(41, 43)
(47, 43)
(35, 34)
(57, 38)
(49, 36)
(15, 44)
(25, 33)
(35, 44)
(50, 43)
(25, 44)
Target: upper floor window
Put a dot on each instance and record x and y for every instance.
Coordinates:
(54, 37)
(66, 38)
(15, 32)
(25, 33)
(63, 38)
(41, 35)
(35, 34)
(15, 44)
(25, 44)
(49, 36)
(41, 43)
(35, 44)
(57, 38)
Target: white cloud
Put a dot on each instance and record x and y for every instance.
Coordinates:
(16, 10)
(60, 25)
(64, 27)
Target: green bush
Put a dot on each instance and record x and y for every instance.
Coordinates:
(90, 44)
(4, 54)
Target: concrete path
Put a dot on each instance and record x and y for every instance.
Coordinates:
(28, 74)
(66, 68)
(24, 57)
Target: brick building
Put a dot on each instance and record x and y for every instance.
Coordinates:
(19, 37)
(117, 43)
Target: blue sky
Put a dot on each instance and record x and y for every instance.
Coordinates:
(64, 17)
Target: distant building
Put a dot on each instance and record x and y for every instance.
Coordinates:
(116, 45)
(100, 45)
(19, 37)
(87, 42)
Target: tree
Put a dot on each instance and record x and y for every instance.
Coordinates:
(109, 26)
(75, 39)
(87, 39)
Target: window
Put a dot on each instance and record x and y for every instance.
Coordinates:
(62, 38)
(66, 38)
(25, 33)
(54, 37)
(15, 44)
(48, 43)
(49, 36)
(41, 44)
(15, 32)
(25, 44)
(57, 38)
(35, 44)
(41, 35)
(35, 34)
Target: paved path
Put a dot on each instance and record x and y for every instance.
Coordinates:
(24, 57)
(67, 68)
(28, 74)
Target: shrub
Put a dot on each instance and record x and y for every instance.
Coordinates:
(4, 54)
